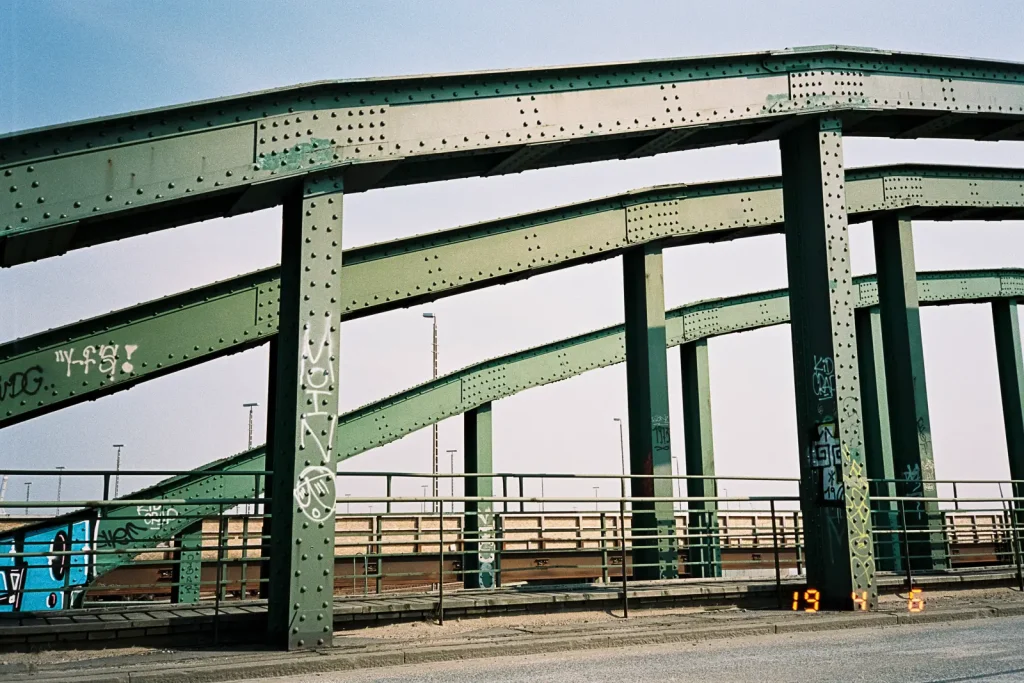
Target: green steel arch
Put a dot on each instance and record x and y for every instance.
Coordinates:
(143, 342)
(391, 418)
(79, 184)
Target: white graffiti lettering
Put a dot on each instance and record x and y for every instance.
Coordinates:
(156, 516)
(104, 356)
(823, 378)
(315, 492)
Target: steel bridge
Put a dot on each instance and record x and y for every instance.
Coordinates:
(861, 399)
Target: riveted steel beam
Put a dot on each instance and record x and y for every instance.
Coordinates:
(83, 183)
(650, 443)
(877, 438)
(833, 488)
(481, 557)
(704, 555)
(910, 425)
(188, 568)
(120, 535)
(113, 352)
(1006, 322)
(302, 533)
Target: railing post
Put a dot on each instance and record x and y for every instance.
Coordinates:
(622, 533)
(440, 563)
(775, 551)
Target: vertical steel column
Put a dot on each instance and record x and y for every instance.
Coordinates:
(268, 465)
(302, 533)
(877, 439)
(833, 487)
(907, 390)
(704, 556)
(650, 445)
(480, 549)
(188, 572)
(1011, 386)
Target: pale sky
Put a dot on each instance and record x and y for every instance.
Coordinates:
(62, 61)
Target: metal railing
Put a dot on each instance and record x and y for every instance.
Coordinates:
(216, 550)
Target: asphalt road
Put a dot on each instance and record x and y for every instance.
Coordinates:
(990, 650)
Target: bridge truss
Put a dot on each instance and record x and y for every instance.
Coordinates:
(303, 148)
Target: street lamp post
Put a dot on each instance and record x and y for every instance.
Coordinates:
(595, 496)
(348, 505)
(60, 475)
(250, 406)
(451, 467)
(434, 463)
(423, 503)
(28, 495)
(117, 470)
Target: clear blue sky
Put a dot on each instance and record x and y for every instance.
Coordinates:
(61, 61)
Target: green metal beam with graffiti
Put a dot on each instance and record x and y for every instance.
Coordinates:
(79, 184)
(120, 532)
(113, 352)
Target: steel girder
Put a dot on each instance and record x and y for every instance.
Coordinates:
(92, 358)
(655, 553)
(74, 185)
(307, 403)
(207, 490)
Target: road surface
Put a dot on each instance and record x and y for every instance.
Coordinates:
(988, 651)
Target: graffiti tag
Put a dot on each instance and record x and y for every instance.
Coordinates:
(104, 356)
(21, 383)
(156, 516)
(315, 492)
(44, 569)
(113, 538)
(823, 378)
(825, 458)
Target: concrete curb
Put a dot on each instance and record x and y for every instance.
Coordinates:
(257, 665)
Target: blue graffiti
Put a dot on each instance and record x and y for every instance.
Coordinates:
(50, 572)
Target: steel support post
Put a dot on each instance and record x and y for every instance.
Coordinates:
(877, 439)
(913, 462)
(1011, 388)
(650, 445)
(188, 571)
(704, 555)
(480, 562)
(302, 530)
(833, 489)
(268, 480)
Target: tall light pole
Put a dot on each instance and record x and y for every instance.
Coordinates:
(117, 471)
(451, 466)
(434, 464)
(348, 505)
(28, 495)
(622, 447)
(595, 495)
(60, 475)
(423, 504)
(250, 406)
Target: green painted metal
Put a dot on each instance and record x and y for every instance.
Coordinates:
(481, 557)
(188, 571)
(705, 554)
(302, 533)
(650, 443)
(1006, 322)
(84, 183)
(121, 534)
(877, 438)
(42, 373)
(392, 418)
(833, 488)
(910, 425)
